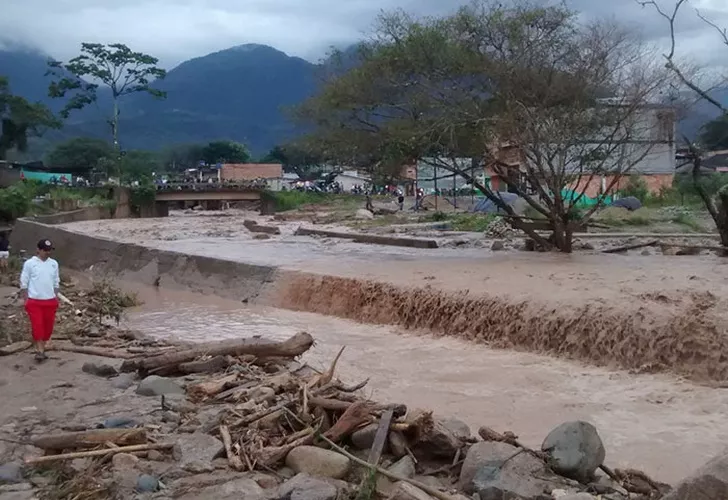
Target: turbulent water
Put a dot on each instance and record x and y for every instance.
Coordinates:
(647, 421)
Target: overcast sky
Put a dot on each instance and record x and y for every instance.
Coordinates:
(176, 30)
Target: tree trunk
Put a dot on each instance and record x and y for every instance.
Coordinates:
(294, 346)
(722, 219)
(90, 439)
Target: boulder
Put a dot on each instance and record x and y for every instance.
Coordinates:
(497, 246)
(99, 369)
(123, 381)
(124, 461)
(405, 491)
(397, 444)
(261, 236)
(496, 470)
(235, 489)
(305, 487)
(708, 482)
(363, 214)
(119, 423)
(154, 385)
(459, 428)
(318, 462)
(11, 473)
(196, 451)
(405, 467)
(147, 484)
(363, 438)
(575, 450)
(440, 442)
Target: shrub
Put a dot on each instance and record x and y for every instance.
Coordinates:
(15, 201)
(637, 187)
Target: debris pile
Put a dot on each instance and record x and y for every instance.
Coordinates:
(499, 229)
(244, 416)
(87, 313)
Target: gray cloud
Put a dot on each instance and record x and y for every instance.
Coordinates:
(175, 30)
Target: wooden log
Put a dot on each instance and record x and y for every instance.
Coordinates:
(212, 365)
(233, 459)
(92, 351)
(15, 348)
(634, 246)
(98, 453)
(354, 417)
(90, 439)
(211, 387)
(380, 438)
(294, 346)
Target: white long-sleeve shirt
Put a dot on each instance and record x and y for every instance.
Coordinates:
(40, 278)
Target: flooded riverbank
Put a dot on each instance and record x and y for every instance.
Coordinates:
(647, 421)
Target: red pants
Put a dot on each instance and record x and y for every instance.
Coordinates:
(42, 314)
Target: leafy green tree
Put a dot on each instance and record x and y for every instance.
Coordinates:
(437, 90)
(80, 152)
(714, 135)
(182, 156)
(138, 165)
(225, 152)
(306, 164)
(115, 66)
(20, 119)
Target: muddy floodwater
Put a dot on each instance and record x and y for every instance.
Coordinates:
(657, 423)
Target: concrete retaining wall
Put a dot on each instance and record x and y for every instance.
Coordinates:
(227, 279)
(82, 214)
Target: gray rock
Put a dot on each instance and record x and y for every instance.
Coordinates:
(124, 461)
(170, 416)
(440, 442)
(123, 381)
(708, 482)
(11, 473)
(578, 496)
(491, 469)
(237, 489)
(405, 491)
(196, 451)
(147, 484)
(459, 428)
(405, 467)
(318, 462)
(99, 369)
(575, 450)
(497, 246)
(364, 437)
(154, 385)
(363, 214)
(397, 444)
(305, 487)
(18, 495)
(119, 423)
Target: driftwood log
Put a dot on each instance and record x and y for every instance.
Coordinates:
(99, 453)
(290, 348)
(90, 439)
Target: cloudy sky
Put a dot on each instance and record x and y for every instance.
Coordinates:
(175, 30)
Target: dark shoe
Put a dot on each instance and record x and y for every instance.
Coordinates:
(40, 357)
(45, 356)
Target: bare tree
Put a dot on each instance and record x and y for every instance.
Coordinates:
(572, 99)
(718, 208)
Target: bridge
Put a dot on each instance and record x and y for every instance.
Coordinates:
(211, 194)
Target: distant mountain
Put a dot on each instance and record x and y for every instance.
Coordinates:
(240, 93)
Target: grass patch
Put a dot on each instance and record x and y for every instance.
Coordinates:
(687, 220)
(474, 223)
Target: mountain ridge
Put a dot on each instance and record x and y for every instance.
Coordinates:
(240, 93)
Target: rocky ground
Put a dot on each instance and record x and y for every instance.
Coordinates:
(113, 414)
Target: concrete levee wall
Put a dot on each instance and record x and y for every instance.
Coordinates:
(169, 269)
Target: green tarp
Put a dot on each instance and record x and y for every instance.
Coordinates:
(45, 176)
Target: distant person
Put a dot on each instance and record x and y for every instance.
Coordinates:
(400, 201)
(4, 250)
(39, 287)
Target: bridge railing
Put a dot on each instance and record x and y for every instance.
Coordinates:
(258, 185)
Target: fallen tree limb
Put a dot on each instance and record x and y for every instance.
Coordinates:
(98, 453)
(216, 364)
(211, 387)
(634, 246)
(233, 459)
(294, 346)
(90, 439)
(92, 351)
(380, 438)
(715, 248)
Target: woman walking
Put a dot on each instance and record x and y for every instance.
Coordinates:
(39, 285)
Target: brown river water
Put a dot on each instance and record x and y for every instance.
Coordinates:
(658, 423)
